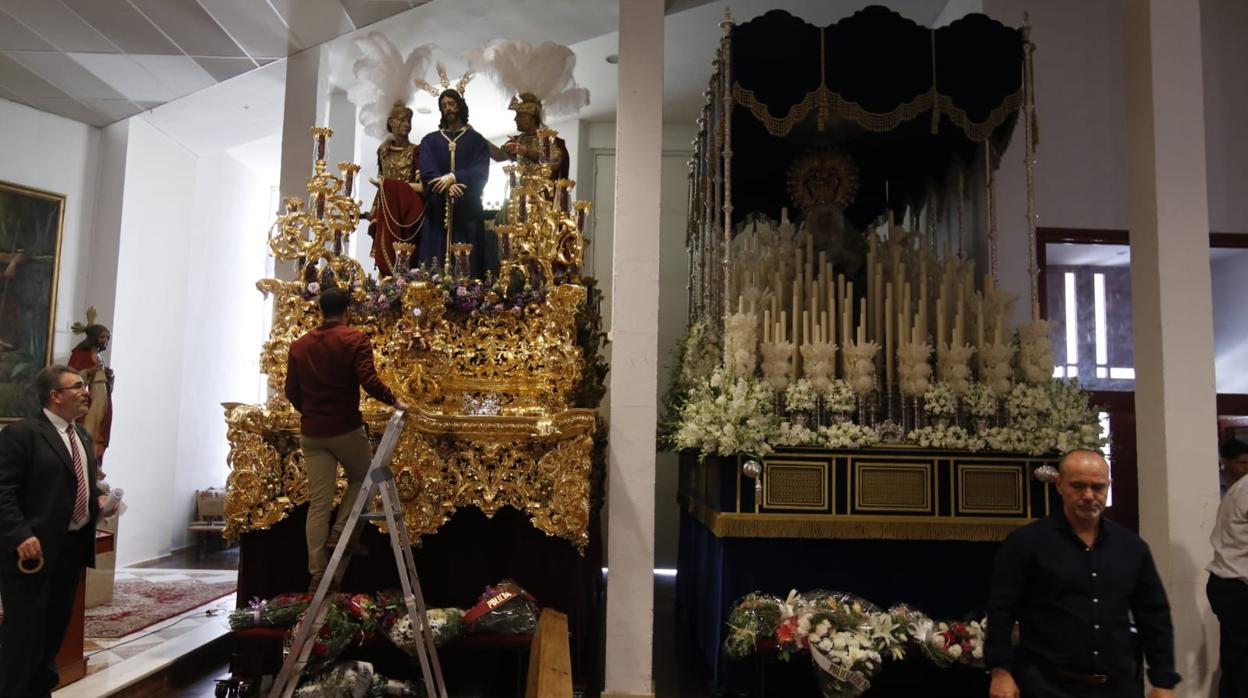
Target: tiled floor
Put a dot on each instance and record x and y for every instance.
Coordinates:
(114, 663)
(103, 653)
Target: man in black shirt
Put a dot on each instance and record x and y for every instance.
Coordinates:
(1087, 598)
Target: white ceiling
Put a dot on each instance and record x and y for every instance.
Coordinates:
(100, 61)
(187, 100)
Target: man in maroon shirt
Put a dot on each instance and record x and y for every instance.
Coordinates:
(324, 373)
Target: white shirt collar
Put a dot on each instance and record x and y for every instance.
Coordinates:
(60, 424)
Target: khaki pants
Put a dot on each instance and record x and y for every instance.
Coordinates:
(321, 457)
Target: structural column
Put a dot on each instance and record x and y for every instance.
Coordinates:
(635, 335)
(1176, 416)
(306, 105)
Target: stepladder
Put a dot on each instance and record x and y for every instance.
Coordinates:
(378, 484)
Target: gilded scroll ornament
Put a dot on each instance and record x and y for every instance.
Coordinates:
(526, 346)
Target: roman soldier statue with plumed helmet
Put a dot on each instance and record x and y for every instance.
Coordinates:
(387, 81)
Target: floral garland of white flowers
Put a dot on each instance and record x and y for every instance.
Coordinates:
(980, 401)
(848, 435)
(939, 400)
(796, 434)
(945, 437)
(728, 416)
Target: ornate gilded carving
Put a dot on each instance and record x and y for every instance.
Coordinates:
(529, 359)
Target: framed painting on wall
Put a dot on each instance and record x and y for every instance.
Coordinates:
(31, 221)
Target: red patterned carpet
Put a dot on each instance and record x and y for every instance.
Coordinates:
(138, 603)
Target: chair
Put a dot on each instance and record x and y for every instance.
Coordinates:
(209, 523)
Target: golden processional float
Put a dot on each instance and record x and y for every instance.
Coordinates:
(503, 375)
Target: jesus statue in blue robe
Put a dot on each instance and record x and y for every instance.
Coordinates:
(455, 164)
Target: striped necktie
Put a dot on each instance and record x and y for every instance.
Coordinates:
(80, 500)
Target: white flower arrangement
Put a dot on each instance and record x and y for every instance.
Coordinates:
(939, 400)
(796, 434)
(700, 355)
(800, 396)
(848, 639)
(951, 437)
(839, 398)
(960, 643)
(980, 401)
(848, 435)
(1027, 401)
(728, 416)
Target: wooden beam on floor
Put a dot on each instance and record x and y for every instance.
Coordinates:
(550, 660)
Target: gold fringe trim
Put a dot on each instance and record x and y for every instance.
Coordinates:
(827, 103)
(829, 526)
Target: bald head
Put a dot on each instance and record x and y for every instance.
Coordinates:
(1083, 482)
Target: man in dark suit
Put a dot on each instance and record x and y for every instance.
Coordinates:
(48, 505)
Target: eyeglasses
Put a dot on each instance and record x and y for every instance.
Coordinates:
(76, 386)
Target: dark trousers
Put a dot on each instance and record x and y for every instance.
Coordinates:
(36, 614)
(1229, 599)
(1034, 682)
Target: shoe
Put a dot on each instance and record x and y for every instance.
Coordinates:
(315, 582)
(355, 547)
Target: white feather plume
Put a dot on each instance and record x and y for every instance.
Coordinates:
(545, 70)
(383, 77)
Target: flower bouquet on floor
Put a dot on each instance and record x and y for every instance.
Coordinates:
(366, 611)
(957, 642)
(754, 616)
(396, 624)
(281, 611)
(447, 625)
(339, 630)
(343, 680)
(504, 609)
(847, 638)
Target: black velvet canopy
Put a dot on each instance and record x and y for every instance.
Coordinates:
(908, 104)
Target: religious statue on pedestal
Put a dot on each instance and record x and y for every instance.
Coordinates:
(386, 83)
(455, 165)
(85, 358)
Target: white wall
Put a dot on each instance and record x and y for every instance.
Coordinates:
(1081, 171)
(154, 263)
(1225, 54)
(225, 323)
(58, 155)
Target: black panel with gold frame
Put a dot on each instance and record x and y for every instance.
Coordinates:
(797, 485)
(898, 494)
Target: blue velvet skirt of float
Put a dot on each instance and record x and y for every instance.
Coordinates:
(398, 212)
(468, 223)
